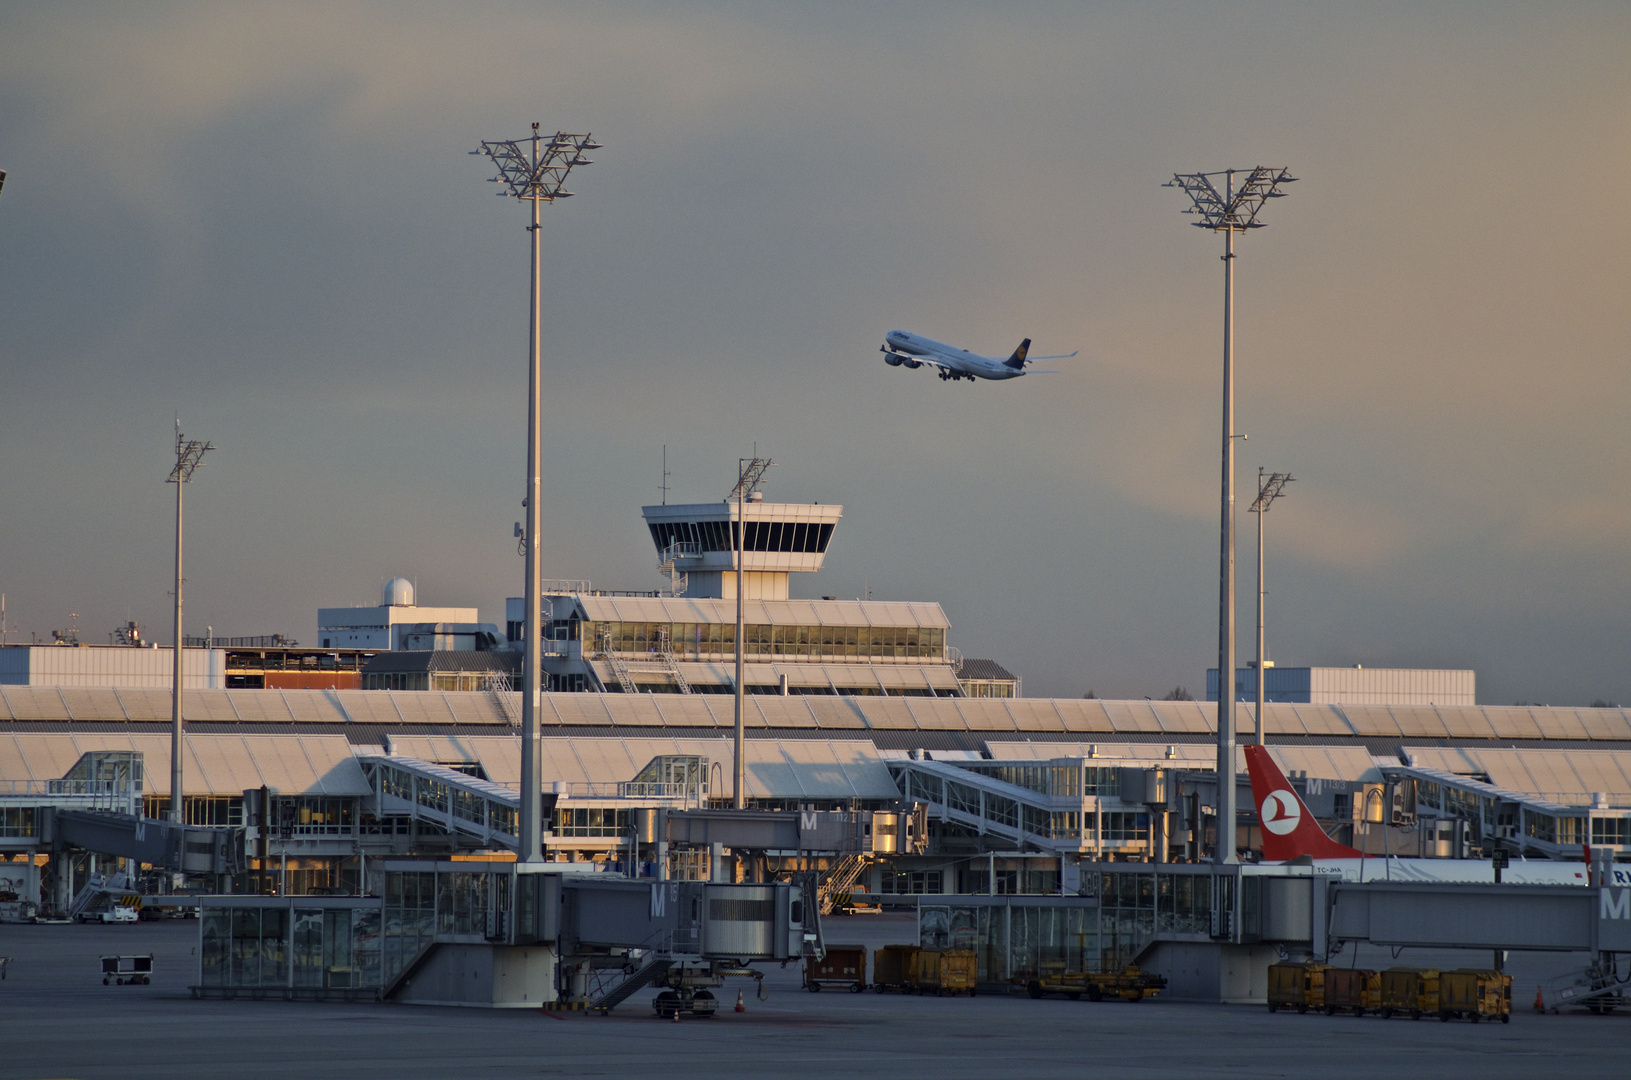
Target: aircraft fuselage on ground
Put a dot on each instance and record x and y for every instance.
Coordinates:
(903, 348)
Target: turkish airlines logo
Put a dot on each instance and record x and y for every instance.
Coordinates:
(1280, 812)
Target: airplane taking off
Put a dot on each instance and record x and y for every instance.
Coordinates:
(913, 350)
(1290, 832)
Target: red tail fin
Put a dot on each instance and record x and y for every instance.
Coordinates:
(1289, 829)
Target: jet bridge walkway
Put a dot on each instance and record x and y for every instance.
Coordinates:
(458, 803)
(986, 805)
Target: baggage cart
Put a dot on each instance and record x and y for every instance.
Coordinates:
(1409, 990)
(892, 967)
(1131, 983)
(925, 971)
(1355, 989)
(843, 968)
(956, 972)
(131, 970)
(1475, 993)
(1297, 986)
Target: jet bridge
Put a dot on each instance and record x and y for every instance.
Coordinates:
(986, 805)
(458, 803)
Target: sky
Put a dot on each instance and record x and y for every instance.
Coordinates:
(264, 219)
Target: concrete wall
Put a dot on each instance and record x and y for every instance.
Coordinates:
(1208, 971)
(483, 976)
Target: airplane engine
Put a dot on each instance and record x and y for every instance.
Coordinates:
(891, 359)
(913, 364)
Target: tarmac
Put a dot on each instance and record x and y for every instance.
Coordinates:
(58, 1020)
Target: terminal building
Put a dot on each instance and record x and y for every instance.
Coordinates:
(1356, 685)
(398, 624)
(682, 639)
(877, 758)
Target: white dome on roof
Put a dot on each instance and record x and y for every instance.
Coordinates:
(398, 593)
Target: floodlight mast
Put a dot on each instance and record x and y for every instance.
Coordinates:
(750, 475)
(534, 170)
(1270, 486)
(189, 456)
(1231, 211)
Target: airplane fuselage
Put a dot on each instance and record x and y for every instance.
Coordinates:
(902, 346)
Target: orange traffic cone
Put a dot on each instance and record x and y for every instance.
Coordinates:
(739, 1006)
(1540, 1002)
(676, 1015)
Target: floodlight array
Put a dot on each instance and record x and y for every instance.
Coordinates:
(1272, 487)
(1234, 209)
(537, 168)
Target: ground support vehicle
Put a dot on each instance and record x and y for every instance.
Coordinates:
(1130, 983)
(1475, 993)
(1410, 990)
(1297, 986)
(893, 967)
(1352, 988)
(116, 913)
(843, 968)
(132, 970)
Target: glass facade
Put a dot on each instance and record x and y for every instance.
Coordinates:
(285, 946)
(717, 641)
(810, 537)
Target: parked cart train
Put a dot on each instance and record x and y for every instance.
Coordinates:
(1470, 993)
(908, 968)
(1129, 984)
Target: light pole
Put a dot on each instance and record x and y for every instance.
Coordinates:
(534, 170)
(751, 474)
(1269, 488)
(1231, 211)
(189, 455)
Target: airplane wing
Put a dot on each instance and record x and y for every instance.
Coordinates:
(910, 360)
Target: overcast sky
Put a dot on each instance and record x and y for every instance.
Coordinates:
(265, 218)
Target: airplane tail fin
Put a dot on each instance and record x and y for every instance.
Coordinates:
(1018, 359)
(1289, 829)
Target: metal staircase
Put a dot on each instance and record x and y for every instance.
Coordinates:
(661, 661)
(654, 968)
(840, 879)
(615, 662)
(668, 563)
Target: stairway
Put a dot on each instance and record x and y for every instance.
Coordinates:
(840, 879)
(615, 662)
(653, 968)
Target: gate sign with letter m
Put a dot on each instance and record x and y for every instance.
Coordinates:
(1614, 920)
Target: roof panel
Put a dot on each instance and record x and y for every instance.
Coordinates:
(369, 706)
(1086, 715)
(1511, 723)
(314, 706)
(1186, 717)
(1132, 716)
(34, 702)
(1604, 723)
(1418, 721)
(838, 713)
(1465, 723)
(1372, 721)
(144, 703)
(100, 702)
(257, 706)
(1558, 723)
(1033, 715)
(1322, 719)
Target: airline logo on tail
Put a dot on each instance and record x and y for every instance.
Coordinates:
(1289, 830)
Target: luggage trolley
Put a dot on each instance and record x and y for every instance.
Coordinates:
(127, 969)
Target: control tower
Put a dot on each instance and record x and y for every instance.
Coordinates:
(700, 541)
